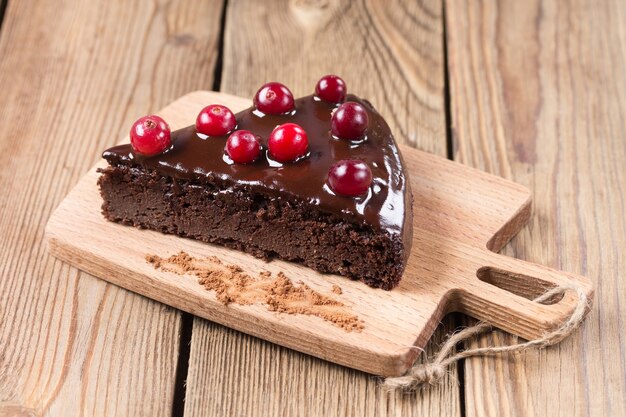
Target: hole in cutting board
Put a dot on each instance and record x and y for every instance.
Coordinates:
(518, 284)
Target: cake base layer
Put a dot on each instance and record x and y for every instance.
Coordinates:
(262, 225)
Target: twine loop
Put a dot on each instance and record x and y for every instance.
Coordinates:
(433, 371)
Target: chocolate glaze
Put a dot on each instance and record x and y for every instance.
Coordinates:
(386, 207)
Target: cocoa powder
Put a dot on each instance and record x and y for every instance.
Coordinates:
(232, 285)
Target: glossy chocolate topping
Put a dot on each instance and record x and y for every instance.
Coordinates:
(195, 156)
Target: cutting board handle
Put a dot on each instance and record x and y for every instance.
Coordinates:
(503, 290)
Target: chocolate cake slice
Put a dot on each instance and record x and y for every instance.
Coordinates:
(272, 207)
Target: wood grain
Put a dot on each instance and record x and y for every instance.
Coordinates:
(390, 52)
(538, 96)
(459, 210)
(73, 76)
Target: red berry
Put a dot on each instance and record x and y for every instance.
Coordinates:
(243, 146)
(331, 88)
(274, 98)
(349, 121)
(215, 120)
(288, 142)
(150, 135)
(350, 177)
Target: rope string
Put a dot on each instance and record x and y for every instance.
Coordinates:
(433, 371)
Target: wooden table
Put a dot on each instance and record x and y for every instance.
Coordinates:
(532, 91)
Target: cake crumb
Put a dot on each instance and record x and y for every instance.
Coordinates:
(232, 285)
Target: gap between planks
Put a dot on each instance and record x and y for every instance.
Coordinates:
(3, 8)
(187, 319)
(456, 318)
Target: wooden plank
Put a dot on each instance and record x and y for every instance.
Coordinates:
(459, 210)
(391, 53)
(73, 76)
(538, 93)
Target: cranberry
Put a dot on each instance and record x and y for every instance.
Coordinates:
(150, 135)
(274, 98)
(215, 120)
(350, 177)
(331, 88)
(243, 146)
(288, 142)
(349, 121)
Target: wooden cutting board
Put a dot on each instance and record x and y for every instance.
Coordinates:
(461, 217)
